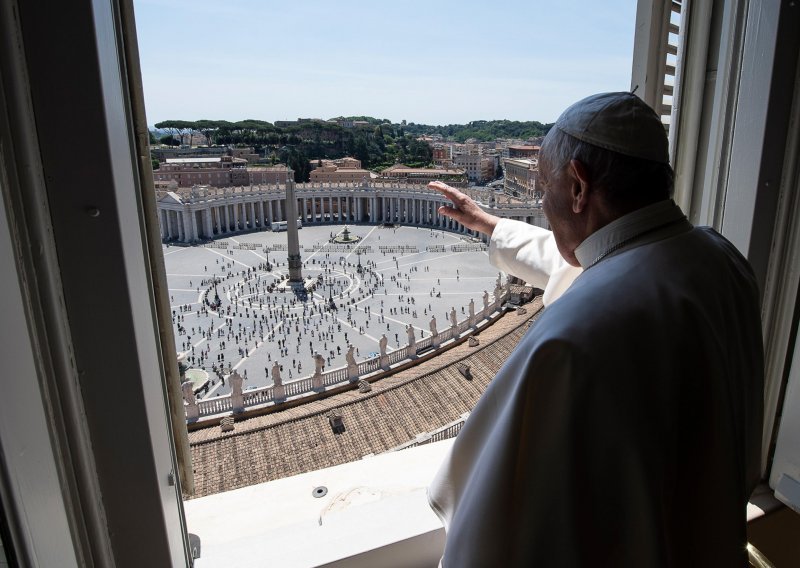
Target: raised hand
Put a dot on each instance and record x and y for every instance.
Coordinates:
(464, 209)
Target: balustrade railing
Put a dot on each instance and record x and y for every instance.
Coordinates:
(264, 395)
(444, 433)
(209, 194)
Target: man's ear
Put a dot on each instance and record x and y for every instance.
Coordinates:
(581, 186)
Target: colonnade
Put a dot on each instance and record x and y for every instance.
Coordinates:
(193, 218)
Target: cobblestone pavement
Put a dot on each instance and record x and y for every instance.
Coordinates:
(408, 275)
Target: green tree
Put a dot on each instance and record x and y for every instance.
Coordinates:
(361, 151)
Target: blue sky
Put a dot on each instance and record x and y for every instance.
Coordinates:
(432, 62)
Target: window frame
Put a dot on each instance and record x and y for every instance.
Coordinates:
(79, 236)
(56, 235)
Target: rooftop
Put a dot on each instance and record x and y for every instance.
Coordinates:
(438, 171)
(417, 400)
(194, 160)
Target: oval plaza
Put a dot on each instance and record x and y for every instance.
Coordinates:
(386, 288)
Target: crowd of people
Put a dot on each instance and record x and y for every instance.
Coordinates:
(241, 308)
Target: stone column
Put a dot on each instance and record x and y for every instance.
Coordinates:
(269, 213)
(235, 216)
(181, 218)
(193, 225)
(162, 223)
(281, 216)
(227, 218)
(261, 218)
(208, 224)
(252, 210)
(295, 262)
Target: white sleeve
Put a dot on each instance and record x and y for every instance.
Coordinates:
(530, 253)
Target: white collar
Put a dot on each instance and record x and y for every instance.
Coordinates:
(626, 230)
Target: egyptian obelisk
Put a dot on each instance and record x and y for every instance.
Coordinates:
(295, 264)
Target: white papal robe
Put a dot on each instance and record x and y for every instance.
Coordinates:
(625, 428)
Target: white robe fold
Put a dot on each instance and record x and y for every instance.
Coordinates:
(625, 428)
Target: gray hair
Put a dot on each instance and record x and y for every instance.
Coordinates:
(624, 180)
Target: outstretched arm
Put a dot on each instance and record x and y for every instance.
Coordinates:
(464, 209)
(523, 250)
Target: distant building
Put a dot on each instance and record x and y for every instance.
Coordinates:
(400, 172)
(521, 177)
(224, 171)
(347, 162)
(441, 155)
(219, 172)
(331, 173)
(269, 175)
(244, 153)
(523, 152)
(164, 153)
(478, 168)
(285, 123)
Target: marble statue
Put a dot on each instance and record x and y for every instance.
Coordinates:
(319, 363)
(276, 375)
(237, 397)
(412, 340)
(434, 331)
(382, 343)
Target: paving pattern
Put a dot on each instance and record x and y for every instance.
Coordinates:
(408, 275)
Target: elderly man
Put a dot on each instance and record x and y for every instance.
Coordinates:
(624, 430)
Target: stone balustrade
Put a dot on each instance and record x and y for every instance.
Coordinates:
(203, 213)
(446, 432)
(212, 408)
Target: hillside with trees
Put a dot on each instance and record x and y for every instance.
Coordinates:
(378, 144)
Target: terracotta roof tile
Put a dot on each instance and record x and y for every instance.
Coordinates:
(417, 400)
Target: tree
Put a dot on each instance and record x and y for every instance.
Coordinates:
(298, 161)
(208, 128)
(155, 163)
(169, 140)
(361, 151)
